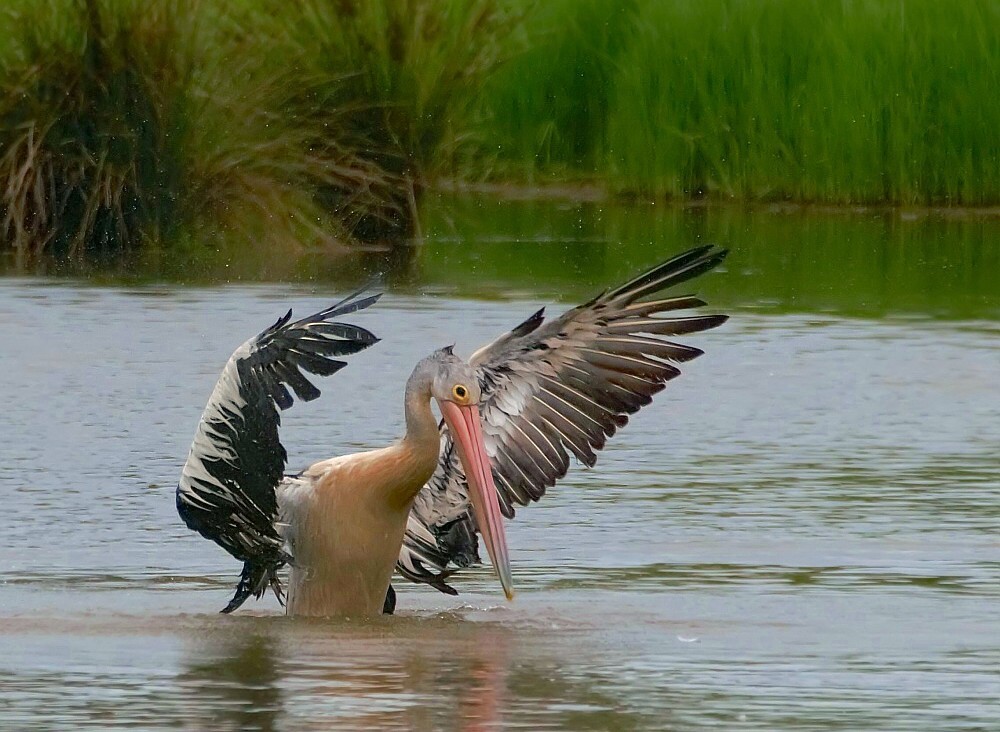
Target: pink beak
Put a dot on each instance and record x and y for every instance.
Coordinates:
(465, 426)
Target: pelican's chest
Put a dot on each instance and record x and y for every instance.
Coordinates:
(344, 539)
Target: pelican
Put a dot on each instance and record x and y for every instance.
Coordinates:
(512, 415)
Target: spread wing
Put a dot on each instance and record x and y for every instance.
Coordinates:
(227, 488)
(555, 389)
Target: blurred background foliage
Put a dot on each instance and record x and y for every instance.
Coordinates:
(181, 125)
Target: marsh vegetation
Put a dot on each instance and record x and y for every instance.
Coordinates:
(185, 124)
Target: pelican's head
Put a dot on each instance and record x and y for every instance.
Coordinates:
(452, 379)
(456, 390)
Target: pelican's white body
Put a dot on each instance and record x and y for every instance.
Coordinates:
(343, 520)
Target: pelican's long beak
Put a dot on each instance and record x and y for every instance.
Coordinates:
(465, 425)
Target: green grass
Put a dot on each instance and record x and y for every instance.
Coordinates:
(128, 125)
(546, 112)
(857, 101)
(90, 120)
(392, 80)
(843, 102)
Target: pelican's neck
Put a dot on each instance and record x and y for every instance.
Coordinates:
(417, 452)
(421, 426)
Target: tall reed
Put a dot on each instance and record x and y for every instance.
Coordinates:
(857, 101)
(395, 80)
(91, 122)
(545, 113)
(129, 123)
(126, 124)
(772, 100)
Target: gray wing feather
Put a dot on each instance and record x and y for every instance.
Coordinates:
(552, 389)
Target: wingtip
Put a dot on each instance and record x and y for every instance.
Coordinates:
(442, 586)
(530, 324)
(279, 323)
(234, 604)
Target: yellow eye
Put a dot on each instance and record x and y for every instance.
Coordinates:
(461, 393)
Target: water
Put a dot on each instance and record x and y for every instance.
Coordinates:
(802, 532)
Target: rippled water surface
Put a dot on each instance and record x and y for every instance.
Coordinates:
(802, 533)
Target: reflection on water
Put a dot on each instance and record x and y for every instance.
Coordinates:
(231, 681)
(800, 534)
(419, 674)
(446, 671)
(869, 263)
(866, 263)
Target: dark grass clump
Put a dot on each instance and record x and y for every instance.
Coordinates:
(92, 114)
(128, 125)
(396, 80)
